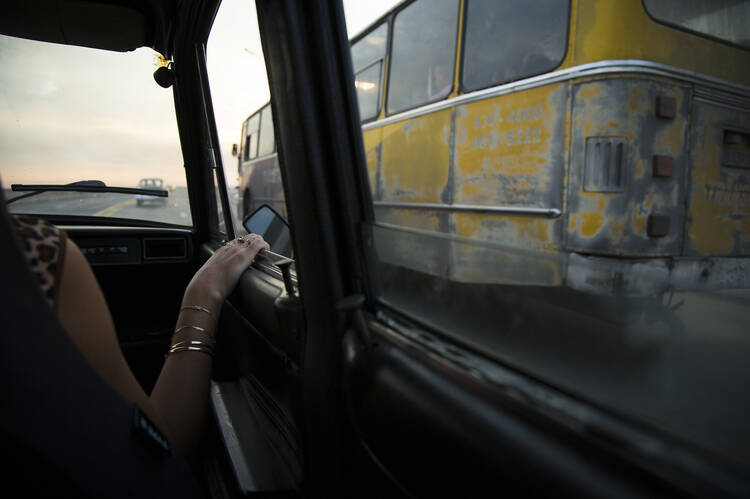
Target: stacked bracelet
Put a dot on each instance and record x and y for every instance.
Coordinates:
(192, 346)
(197, 328)
(197, 307)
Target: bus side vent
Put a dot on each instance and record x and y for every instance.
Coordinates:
(604, 170)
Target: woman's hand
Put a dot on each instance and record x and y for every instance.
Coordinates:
(217, 278)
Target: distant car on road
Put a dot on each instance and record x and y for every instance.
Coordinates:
(150, 183)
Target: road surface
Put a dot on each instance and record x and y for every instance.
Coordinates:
(176, 210)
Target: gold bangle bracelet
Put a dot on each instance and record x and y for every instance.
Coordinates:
(190, 349)
(197, 307)
(191, 346)
(197, 328)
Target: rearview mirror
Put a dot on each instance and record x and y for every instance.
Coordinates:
(266, 222)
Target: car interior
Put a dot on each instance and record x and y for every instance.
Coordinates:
(318, 389)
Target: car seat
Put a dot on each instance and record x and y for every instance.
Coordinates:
(63, 427)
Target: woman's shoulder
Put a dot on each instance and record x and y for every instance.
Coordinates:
(43, 245)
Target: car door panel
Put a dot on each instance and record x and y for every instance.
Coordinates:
(410, 404)
(254, 390)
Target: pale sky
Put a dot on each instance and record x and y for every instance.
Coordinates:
(120, 125)
(237, 70)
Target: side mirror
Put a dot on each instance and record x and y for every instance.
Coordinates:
(266, 222)
(235, 149)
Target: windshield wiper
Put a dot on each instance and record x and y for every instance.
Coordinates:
(81, 186)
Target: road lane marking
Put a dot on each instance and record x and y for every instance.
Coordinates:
(111, 210)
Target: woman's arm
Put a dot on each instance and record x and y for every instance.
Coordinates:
(178, 402)
(180, 395)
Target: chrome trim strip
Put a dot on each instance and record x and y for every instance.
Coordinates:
(237, 458)
(474, 208)
(584, 70)
(99, 228)
(265, 262)
(717, 97)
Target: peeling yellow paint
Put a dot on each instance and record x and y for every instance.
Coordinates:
(503, 154)
(719, 222)
(415, 158)
(592, 223)
(590, 91)
(617, 229)
(372, 139)
(639, 222)
(469, 190)
(637, 100)
(640, 171)
(615, 29)
(573, 223)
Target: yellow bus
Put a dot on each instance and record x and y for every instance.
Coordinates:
(258, 165)
(603, 145)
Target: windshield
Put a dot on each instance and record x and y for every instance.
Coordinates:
(70, 114)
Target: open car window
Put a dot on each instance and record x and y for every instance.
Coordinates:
(71, 114)
(530, 228)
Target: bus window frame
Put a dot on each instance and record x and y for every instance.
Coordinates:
(252, 153)
(385, 19)
(259, 112)
(379, 105)
(389, 53)
(464, 90)
(690, 31)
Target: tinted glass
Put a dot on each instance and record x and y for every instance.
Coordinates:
(367, 83)
(537, 228)
(251, 136)
(368, 55)
(727, 20)
(370, 48)
(423, 54)
(221, 222)
(509, 40)
(266, 141)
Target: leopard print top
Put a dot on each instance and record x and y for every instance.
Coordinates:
(43, 245)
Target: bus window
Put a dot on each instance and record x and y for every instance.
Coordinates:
(367, 83)
(423, 54)
(367, 59)
(251, 138)
(726, 20)
(506, 41)
(266, 140)
(369, 49)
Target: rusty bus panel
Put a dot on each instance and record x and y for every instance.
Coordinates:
(373, 151)
(510, 149)
(463, 260)
(512, 262)
(623, 197)
(510, 152)
(415, 160)
(719, 196)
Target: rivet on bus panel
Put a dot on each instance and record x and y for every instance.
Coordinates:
(666, 107)
(657, 225)
(663, 165)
